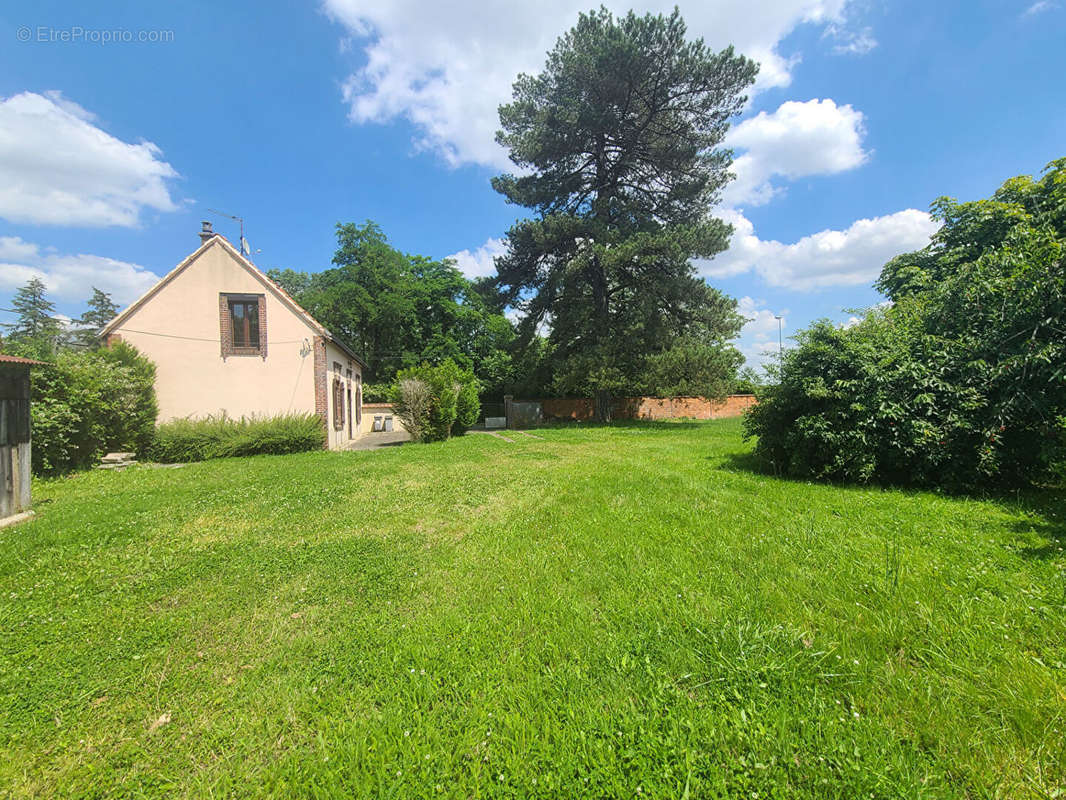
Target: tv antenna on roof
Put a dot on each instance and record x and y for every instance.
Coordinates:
(246, 249)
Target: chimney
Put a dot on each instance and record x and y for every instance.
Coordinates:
(206, 232)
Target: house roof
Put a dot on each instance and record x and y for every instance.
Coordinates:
(29, 362)
(277, 291)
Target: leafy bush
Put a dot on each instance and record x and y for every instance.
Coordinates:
(89, 403)
(436, 402)
(960, 383)
(222, 437)
(376, 392)
(468, 403)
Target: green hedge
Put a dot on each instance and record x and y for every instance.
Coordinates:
(961, 382)
(86, 404)
(223, 437)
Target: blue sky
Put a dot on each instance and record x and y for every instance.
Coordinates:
(299, 116)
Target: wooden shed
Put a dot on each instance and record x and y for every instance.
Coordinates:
(14, 438)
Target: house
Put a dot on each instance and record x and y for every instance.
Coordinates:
(15, 438)
(226, 339)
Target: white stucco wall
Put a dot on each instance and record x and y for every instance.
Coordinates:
(179, 329)
(340, 365)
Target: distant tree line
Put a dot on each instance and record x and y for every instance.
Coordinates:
(399, 310)
(38, 332)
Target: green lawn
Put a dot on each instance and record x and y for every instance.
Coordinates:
(626, 611)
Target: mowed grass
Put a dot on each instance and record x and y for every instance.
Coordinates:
(623, 611)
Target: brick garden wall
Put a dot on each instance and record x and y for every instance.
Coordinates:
(580, 408)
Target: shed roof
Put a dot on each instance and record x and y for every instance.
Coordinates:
(29, 362)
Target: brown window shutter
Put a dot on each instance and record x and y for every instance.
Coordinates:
(338, 404)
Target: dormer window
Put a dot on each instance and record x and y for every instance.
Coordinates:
(243, 324)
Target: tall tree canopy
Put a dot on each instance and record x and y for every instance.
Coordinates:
(617, 142)
(399, 310)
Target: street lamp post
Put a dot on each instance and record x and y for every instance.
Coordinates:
(780, 336)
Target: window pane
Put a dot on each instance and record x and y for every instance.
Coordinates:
(236, 311)
(252, 313)
(244, 316)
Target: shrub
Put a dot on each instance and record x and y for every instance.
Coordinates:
(89, 403)
(962, 382)
(436, 402)
(410, 403)
(468, 403)
(222, 437)
(444, 402)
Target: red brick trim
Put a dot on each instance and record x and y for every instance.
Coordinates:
(321, 398)
(225, 327)
(263, 338)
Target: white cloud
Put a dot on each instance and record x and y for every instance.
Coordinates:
(58, 168)
(446, 67)
(760, 338)
(70, 277)
(12, 248)
(797, 140)
(1039, 7)
(829, 258)
(479, 263)
(851, 41)
(802, 139)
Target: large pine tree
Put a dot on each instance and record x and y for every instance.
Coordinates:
(36, 331)
(101, 310)
(617, 143)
